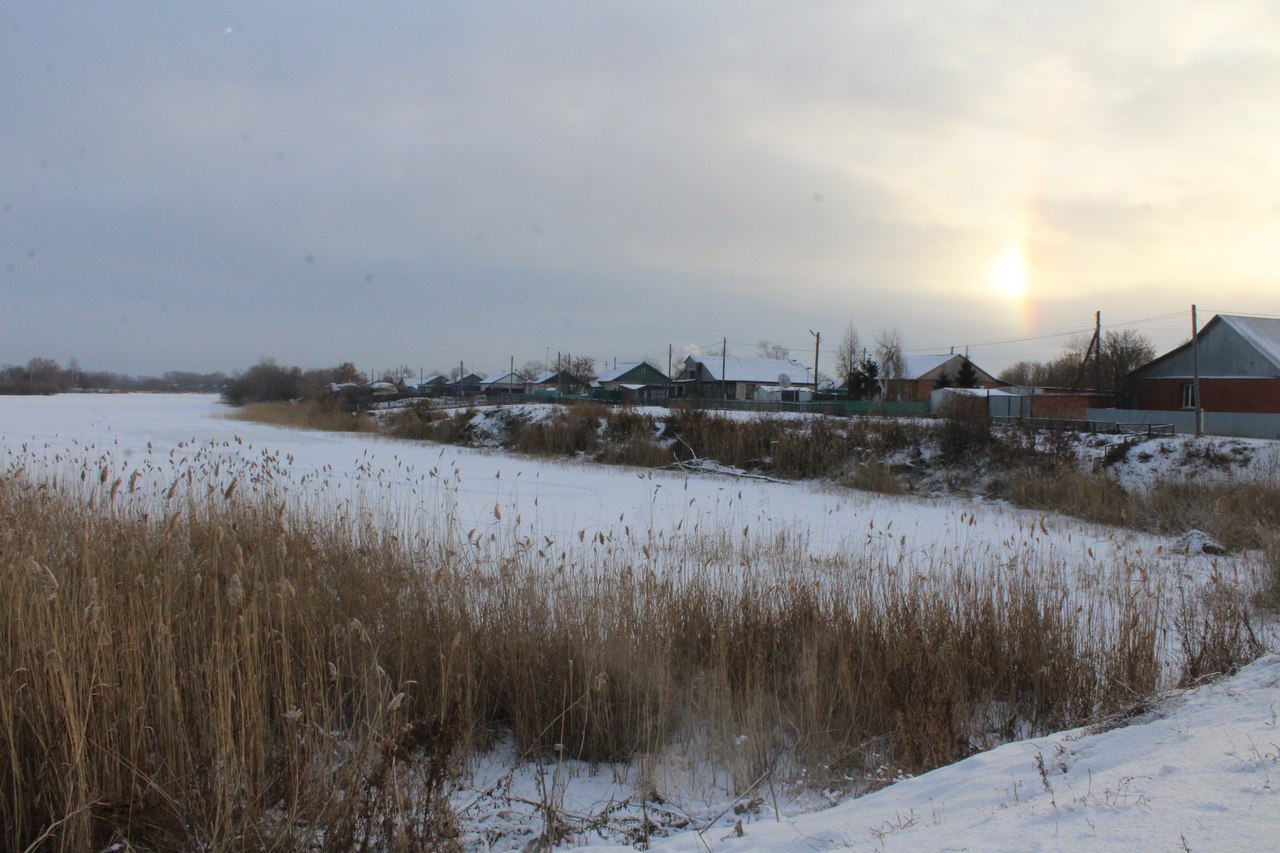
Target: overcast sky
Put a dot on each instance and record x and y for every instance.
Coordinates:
(199, 185)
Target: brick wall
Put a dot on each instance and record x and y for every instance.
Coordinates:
(1218, 395)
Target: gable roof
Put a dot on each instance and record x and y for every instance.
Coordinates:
(622, 369)
(544, 377)
(916, 366)
(763, 370)
(1262, 332)
(1231, 345)
(507, 378)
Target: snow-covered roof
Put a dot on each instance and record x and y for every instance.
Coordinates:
(507, 378)
(740, 369)
(544, 377)
(916, 366)
(1262, 332)
(620, 369)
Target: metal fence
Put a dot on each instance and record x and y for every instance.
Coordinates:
(1243, 424)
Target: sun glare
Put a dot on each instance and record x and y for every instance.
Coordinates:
(1009, 277)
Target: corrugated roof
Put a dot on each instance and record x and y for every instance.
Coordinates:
(1262, 332)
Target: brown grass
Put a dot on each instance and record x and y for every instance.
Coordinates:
(219, 673)
(305, 414)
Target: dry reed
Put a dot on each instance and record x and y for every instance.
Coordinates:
(216, 671)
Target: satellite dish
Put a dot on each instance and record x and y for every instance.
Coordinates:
(784, 381)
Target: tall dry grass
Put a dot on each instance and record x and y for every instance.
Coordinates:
(305, 414)
(796, 448)
(219, 672)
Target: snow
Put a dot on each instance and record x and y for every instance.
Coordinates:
(1199, 772)
(1196, 772)
(415, 481)
(916, 366)
(746, 369)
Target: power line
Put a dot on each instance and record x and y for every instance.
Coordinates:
(1244, 313)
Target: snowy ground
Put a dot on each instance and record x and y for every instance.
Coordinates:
(1200, 772)
(1196, 774)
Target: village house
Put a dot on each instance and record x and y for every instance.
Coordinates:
(1239, 370)
(922, 374)
(433, 384)
(502, 384)
(554, 382)
(464, 386)
(712, 377)
(632, 382)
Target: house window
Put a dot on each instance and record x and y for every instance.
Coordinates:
(1189, 396)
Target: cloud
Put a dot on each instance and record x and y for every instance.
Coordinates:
(617, 177)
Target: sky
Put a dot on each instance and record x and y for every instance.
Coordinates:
(199, 186)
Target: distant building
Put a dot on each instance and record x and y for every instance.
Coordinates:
(503, 383)
(923, 374)
(551, 382)
(632, 382)
(715, 377)
(465, 386)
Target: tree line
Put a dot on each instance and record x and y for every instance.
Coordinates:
(46, 376)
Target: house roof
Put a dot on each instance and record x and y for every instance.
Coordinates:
(917, 366)
(1249, 347)
(622, 369)
(762, 370)
(544, 377)
(507, 378)
(1262, 332)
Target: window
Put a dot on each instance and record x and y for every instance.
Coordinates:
(1189, 396)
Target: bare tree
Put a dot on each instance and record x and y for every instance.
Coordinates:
(530, 370)
(889, 353)
(1020, 373)
(848, 356)
(581, 369)
(772, 350)
(1122, 353)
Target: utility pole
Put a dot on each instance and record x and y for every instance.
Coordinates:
(724, 358)
(1195, 367)
(670, 350)
(817, 340)
(1097, 355)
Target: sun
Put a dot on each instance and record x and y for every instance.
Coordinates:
(1009, 275)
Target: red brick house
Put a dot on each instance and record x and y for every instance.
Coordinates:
(1239, 370)
(922, 374)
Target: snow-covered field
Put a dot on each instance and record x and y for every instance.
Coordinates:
(1195, 774)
